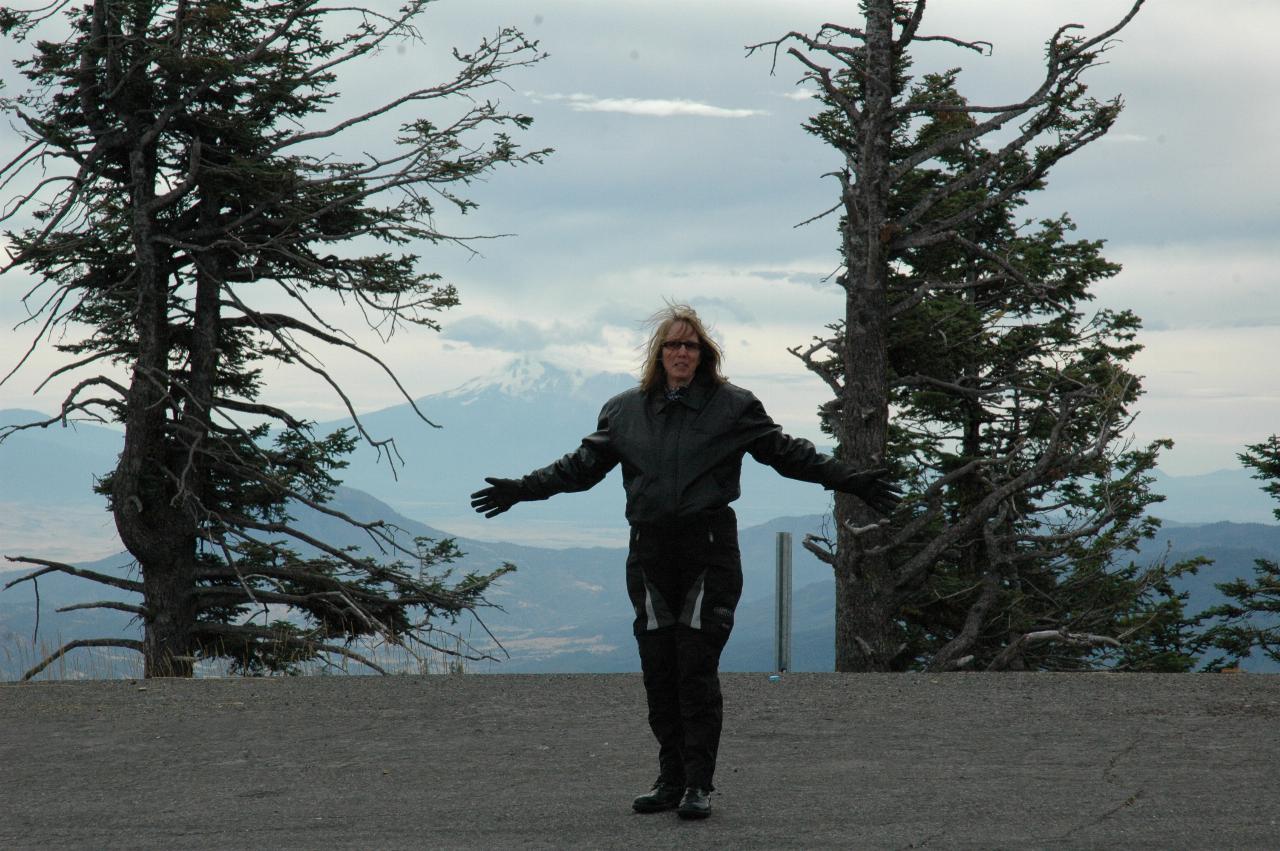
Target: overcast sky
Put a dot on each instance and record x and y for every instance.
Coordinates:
(680, 170)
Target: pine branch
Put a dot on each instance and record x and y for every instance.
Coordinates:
(136, 611)
(225, 630)
(59, 567)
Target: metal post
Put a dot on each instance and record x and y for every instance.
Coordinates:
(783, 622)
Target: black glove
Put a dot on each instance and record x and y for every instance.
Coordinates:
(874, 489)
(501, 495)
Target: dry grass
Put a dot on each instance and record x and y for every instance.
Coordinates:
(19, 655)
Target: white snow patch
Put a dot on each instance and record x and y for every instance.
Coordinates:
(521, 378)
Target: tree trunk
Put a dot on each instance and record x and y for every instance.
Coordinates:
(868, 634)
(154, 527)
(168, 639)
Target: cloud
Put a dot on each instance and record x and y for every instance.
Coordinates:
(482, 332)
(1225, 284)
(816, 280)
(653, 107)
(725, 306)
(540, 338)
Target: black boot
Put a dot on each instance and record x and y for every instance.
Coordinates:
(663, 796)
(695, 804)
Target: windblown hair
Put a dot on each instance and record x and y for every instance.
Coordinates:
(652, 373)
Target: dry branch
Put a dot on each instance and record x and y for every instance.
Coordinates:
(1011, 653)
(83, 642)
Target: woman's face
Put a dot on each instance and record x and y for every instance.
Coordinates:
(680, 354)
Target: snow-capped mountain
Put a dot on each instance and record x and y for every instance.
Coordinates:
(531, 379)
(504, 424)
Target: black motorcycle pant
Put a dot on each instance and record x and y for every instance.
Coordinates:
(684, 581)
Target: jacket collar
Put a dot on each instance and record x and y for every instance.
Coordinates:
(694, 396)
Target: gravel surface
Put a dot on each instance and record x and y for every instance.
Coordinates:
(551, 761)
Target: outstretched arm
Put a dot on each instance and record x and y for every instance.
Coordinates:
(579, 470)
(797, 458)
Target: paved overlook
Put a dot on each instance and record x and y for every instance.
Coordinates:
(551, 761)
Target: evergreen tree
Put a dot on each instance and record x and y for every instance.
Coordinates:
(178, 196)
(1010, 404)
(1250, 618)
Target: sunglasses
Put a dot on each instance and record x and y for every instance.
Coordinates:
(677, 345)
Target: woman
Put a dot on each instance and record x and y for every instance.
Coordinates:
(680, 437)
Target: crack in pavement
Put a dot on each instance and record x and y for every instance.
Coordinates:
(1109, 775)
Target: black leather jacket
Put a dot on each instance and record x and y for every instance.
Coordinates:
(683, 458)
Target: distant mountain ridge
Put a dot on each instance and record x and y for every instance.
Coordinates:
(506, 424)
(566, 610)
(1223, 495)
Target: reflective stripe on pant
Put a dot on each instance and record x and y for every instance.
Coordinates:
(687, 572)
(682, 685)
